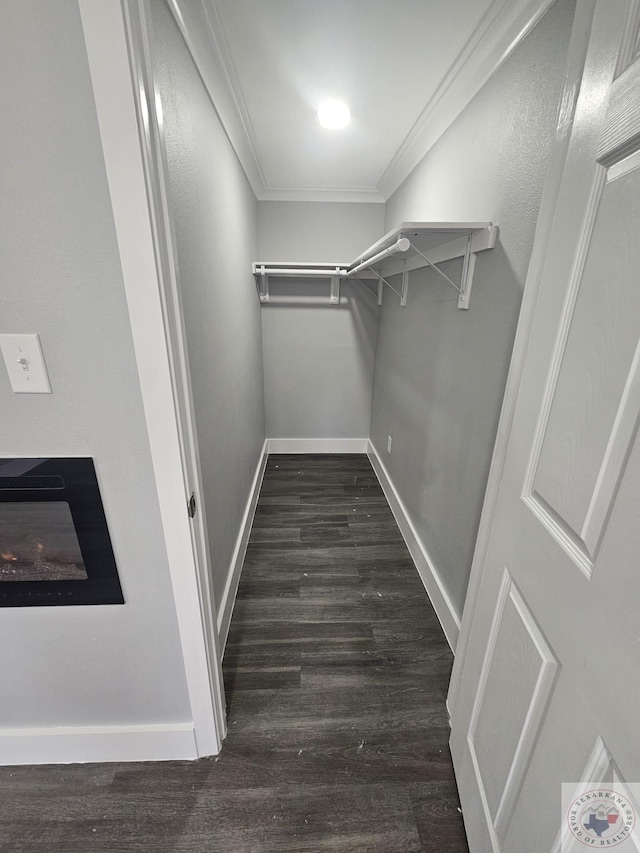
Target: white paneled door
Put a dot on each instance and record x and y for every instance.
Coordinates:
(548, 689)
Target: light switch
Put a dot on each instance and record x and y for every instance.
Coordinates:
(25, 364)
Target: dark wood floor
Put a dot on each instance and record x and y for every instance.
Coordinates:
(336, 672)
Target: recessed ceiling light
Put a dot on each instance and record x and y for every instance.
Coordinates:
(334, 114)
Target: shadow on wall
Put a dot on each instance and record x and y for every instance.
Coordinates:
(364, 318)
(439, 382)
(318, 359)
(360, 301)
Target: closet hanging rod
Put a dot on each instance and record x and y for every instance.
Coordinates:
(414, 245)
(402, 244)
(265, 269)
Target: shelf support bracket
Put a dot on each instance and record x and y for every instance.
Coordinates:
(468, 269)
(436, 268)
(405, 287)
(466, 279)
(382, 281)
(264, 285)
(366, 287)
(334, 298)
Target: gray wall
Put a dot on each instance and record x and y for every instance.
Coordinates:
(318, 358)
(215, 216)
(317, 231)
(75, 666)
(440, 372)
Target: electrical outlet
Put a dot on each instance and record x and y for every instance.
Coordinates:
(388, 444)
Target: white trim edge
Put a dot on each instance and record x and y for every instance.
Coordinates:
(442, 604)
(107, 51)
(237, 561)
(505, 24)
(81, 744)
(317, 445)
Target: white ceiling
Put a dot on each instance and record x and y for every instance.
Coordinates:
(406, 68)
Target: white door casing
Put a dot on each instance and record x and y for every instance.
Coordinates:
(139, 29)
(545, 688)
(119, 44)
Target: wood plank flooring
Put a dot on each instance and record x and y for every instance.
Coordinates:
(336, 672)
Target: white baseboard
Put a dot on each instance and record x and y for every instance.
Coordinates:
(442, 604)
(317, 445)
(81, 744)
(225, 608)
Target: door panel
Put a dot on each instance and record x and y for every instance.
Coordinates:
(593, 405)
(620, 133)
(515, 684)
(552, 656)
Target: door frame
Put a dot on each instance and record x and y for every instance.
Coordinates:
(119, 43)
(578, 44)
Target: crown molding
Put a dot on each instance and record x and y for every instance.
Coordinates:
(201, 28)
(216, 71)
(367, 196)
(503, 26)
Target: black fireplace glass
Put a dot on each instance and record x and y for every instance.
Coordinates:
(55, 547)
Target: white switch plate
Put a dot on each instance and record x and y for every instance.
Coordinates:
(25, 364)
